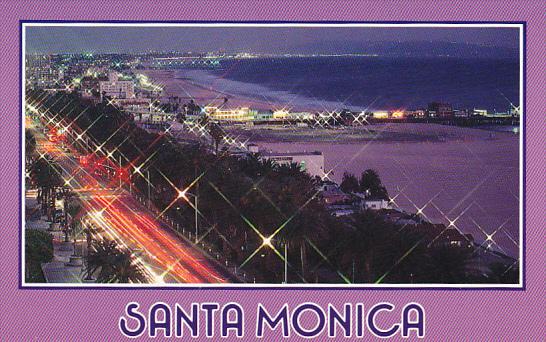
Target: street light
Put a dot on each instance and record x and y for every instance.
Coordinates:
(148, 176)
(184, 194)
(119, 170)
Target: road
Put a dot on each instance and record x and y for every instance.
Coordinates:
(165, 256)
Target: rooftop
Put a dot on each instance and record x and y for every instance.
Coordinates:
(287, 154)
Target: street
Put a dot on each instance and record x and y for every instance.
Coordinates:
(167, 257)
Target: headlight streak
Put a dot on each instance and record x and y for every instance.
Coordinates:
(102, 222)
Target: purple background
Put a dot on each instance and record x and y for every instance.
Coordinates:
(93, 314)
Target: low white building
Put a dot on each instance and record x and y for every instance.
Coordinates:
(236, 114)
(311, 162)
(375, 204)
(381, 114)
(372, 203)
(116, 88)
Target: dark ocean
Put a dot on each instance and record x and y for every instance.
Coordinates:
(376, 82)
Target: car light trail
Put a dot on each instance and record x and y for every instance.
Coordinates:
(165, 256)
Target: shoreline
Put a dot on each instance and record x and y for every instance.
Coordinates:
(378, 133)
(188, 88)
(208, 89)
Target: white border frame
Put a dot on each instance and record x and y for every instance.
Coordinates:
(295, 286)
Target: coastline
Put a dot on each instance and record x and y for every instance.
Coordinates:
(206, 88)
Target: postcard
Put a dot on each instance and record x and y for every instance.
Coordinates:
(238, 176)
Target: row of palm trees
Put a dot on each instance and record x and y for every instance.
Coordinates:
(368, 184)
(104, 258)
(46, 175)
(112, 264)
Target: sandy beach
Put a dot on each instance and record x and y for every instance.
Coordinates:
(207, 89)
(187, 89)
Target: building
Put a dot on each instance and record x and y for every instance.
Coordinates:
(89, 86)
(143, 110)
(461, 113)
(383, 114)
(375, 204)
(398, 114)
(441, 110)
(438, 235)
(301, 116)
(331, 194)
(310, 162)
(281, 114)
(479, 112)
(340, 210)
(366, 203)
(241, 114)
(116, 88)
(42, 71)
(264, 116)
(417, 113)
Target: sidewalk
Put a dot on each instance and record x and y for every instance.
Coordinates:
(58, 270)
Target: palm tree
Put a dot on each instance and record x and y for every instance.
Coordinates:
(72, 207)
(217, 134)
(254, 166)
(363, 249)
(349, 183)
(378, 251)
(46, 174)
(371, 183)
(113, 264)
(307, 219)
(30, 145)
(290, 171)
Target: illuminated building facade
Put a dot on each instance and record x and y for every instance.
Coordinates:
(116, 88)
(238, 114)
(41, 71)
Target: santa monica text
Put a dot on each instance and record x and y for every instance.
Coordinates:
(308, 320)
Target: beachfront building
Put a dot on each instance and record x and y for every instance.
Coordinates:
(398, 114)
(381, 114)
(310, 162)
(417, 113)
(281, 114)
(441, 110)
(264, 116)
(331, 194)
(241, 114)
(154, 117)
(284, 114)
(370, 203)
(479, 112)
(301, 116)
(460, 113)
(116, 88)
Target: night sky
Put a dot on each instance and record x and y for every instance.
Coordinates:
(247, 39)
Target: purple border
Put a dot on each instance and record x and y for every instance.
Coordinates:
(340, 287)
(451, 315)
